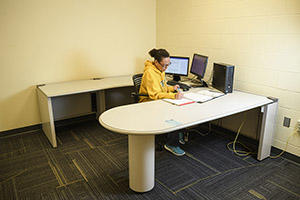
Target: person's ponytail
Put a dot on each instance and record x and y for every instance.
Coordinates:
(153, 53)
(159, 54)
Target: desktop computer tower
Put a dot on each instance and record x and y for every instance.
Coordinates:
(223, 77)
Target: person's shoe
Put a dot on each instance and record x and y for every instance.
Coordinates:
(181, 138)
(175, 150)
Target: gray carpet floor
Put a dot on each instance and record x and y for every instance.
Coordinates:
(92, 163)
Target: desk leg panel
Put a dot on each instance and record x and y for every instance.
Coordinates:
(141, 149)
(100, 96)
(267, 130)
(46, 113)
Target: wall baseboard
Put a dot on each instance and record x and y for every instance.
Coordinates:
(22, 130)
(38, 127)
(286, 154)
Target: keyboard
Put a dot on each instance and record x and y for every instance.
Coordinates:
(183, 86)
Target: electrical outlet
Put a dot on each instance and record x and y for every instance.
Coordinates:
(286, 122)
(298, 127)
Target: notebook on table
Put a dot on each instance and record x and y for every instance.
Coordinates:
(203, 95)
(192, 97)
(179, 102)
(211, 93)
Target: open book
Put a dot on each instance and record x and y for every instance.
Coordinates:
(192, 97)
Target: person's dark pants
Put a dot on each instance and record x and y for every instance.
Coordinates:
(173, 139)
(170, 139)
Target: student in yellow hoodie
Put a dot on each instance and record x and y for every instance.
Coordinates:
(154, 84)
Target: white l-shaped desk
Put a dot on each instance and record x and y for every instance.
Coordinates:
(143, 121)
(46, 93)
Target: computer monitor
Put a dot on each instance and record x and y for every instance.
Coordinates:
(179, 67)
(199, 64)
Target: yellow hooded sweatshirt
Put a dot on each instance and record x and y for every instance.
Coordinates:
(154, 84)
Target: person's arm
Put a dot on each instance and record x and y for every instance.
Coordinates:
(153, 88)
(171, 89)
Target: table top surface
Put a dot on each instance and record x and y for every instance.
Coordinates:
(81, 86)
(157, 117)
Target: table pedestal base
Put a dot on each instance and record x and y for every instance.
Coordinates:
(141, 150)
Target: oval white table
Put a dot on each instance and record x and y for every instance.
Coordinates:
(142, 121)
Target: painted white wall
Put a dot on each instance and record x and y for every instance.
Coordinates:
(61, 40)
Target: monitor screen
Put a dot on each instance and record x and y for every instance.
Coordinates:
(178, 66)
(199, 64)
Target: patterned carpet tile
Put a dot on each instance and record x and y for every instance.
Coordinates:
(249, 182)
(91, 162)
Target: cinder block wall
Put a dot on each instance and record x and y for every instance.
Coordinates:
(260, 37)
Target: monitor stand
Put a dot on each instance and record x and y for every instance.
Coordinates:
(200, 81)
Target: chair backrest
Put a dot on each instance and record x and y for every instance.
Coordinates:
(137, 80)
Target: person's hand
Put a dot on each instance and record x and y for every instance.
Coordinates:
(176, 87)
(178, 95)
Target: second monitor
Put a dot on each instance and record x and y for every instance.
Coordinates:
(198, 67)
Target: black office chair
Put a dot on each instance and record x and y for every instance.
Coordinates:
(137, 80)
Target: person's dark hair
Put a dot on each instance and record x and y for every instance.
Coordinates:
(159, 54)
